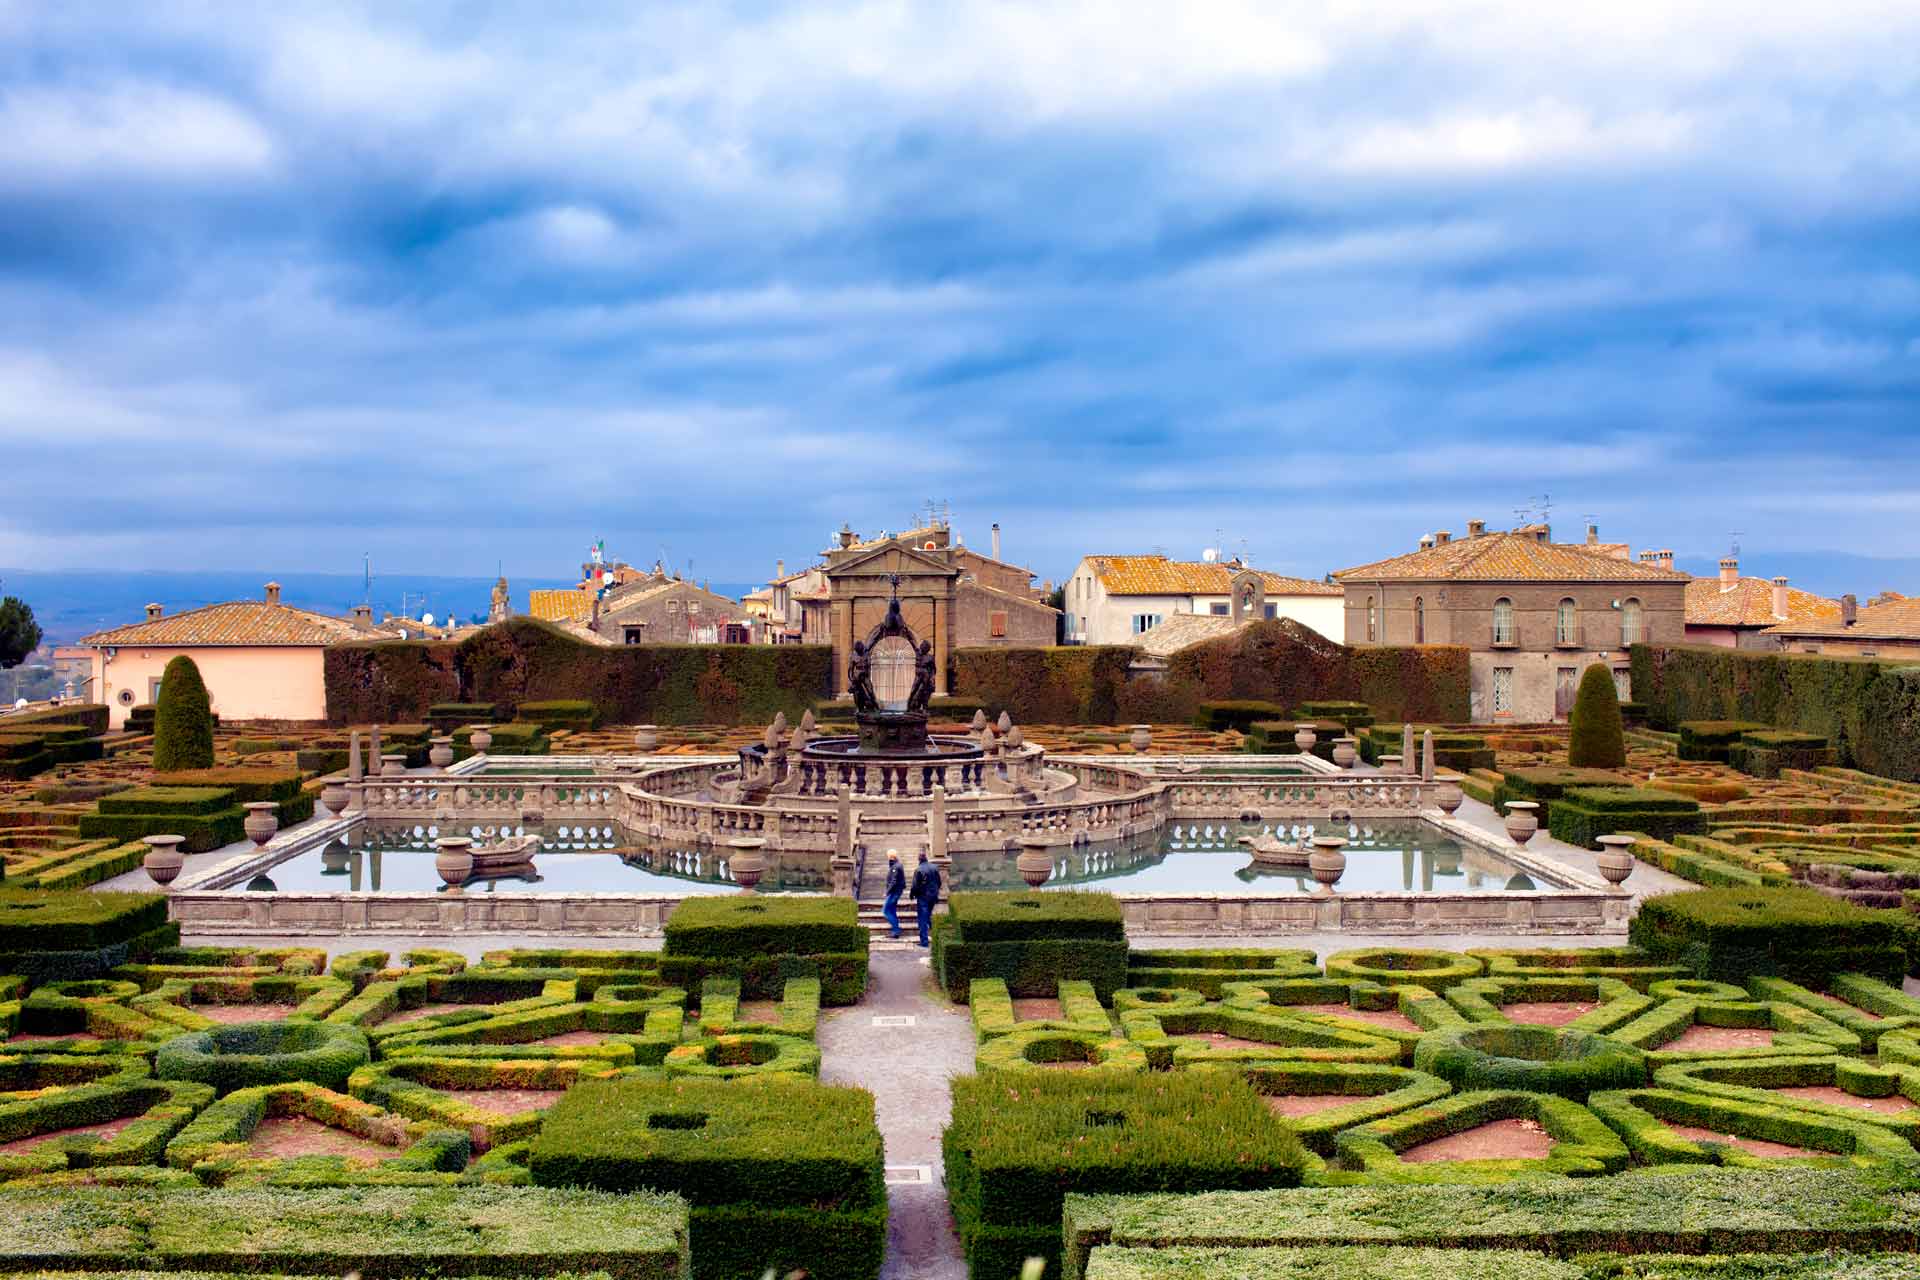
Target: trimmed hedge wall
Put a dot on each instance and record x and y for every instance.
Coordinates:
(1802, 935)
(1582, 815)
(1867, 708)
(1030, 941)
(1076, 684)
(527, 661)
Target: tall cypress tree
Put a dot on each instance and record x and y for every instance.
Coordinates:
(182, 719)
(1595, 738)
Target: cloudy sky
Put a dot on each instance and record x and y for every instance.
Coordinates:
(283, 284)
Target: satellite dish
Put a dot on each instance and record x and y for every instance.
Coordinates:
(427, 618)
(1210, 555)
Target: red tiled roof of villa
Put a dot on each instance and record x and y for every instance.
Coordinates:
(1748, 602)
(236, 623)
(1508, 557)
(1159, 576)
(1894, 620)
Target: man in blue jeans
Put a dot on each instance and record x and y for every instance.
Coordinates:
(896, 885)
(926, 892)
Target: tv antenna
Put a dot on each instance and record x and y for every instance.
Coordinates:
(1735, 537)
(366, 578)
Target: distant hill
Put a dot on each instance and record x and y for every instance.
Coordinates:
(71, 603)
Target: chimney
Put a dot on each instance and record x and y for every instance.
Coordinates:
(1593, 535)
(1476, 527)
(1729, 573)
(362, 616)
(1646, 557)
(1780, 598)
(779, 569)
(1849, 610)
(153, 612)
(273, 593)
(996, 539)
(846, 536)
(1664, 557)
(1426, 540)
(1443, 537)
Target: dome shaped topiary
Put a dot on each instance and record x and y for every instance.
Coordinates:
(1595, 739)
(182, 719)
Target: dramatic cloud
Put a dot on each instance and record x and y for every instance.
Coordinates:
(455, 284)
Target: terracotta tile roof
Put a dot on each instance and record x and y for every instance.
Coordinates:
(1749, 603)
(1894, 620)
(1183, 630)
(1159, 576)
(236, 623)
(1017, 597)
(1507, 557)
(554, 605)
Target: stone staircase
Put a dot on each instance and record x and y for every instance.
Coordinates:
(876, 924)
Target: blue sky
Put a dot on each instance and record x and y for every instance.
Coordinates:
(460, 284)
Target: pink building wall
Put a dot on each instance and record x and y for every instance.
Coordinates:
(245, 682)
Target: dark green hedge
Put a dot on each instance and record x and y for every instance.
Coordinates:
(1010, 917)
(183, 719)
(734, 927)
(1868, 709)
(529, 661)
(1583, 814)
(1554, 1060)
(1019, 1143)
(1031, 941)
(249, 1054)
(76, 921)
(1236, 713)
(782, 1175)
(1799, 934)
(246, 784)
(1078, 684)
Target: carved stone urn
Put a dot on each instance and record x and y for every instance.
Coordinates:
(646, 738)
(1448, 797)
(262, 822)
(482, 738)
(1140, 737)
(333, 798)
(442, 754)
(1327, 862)
(164, 859)
(1304, 737)
(453, 859)
(393, 764)
(1615, 859)
(1522, 820)
(747, 863)
(1343, 753)
(1034, 864)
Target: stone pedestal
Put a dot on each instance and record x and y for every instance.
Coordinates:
(937, 823)
(1426, 756)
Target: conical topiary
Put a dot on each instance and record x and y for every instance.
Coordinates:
(1594, 738)
(182, 719)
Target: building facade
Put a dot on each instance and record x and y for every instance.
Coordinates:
(1533, 613)
(1733, 612)
(951, 596)
(260, 659)
(1887, 628)
(1117, 599)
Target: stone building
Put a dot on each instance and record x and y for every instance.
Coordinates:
(1533, 613)
(1117, 599)
(1886, 628)
(671, 611)
(260, 659)
(950, 595)
(1739, 613)
(799, 606)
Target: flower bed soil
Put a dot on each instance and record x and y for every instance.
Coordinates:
(1497, 1140)
(1033, 1010)
(105, 1129)
(764, 1012)
(424, 1011)
(567, 1039)
(25, 1038)
(1699, 1037)
(282, 1136)
(1752, 1146)
(1295, 1105)
(506, 1102)
(1838, 1003)
(235, 1014)
(1841, 1098)
(1546, 1013)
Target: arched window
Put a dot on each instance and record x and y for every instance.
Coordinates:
(1373, 621)
(1503, 621)
(1419, 620)
(1566, 623)
(1630, 622)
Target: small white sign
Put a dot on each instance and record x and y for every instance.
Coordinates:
(892, 1019)
(909, 1175)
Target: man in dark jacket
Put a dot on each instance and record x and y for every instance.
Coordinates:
(926, 892)
(896, 885)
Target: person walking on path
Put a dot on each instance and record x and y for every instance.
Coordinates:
(896, 885)
(926, 892)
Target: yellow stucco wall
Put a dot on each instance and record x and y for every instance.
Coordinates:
(245, 683)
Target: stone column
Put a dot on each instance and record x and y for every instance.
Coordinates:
(937, 824)
(1406, 745)
(1426, 756)
(356, 771)
(374, 751)
(843, 826)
